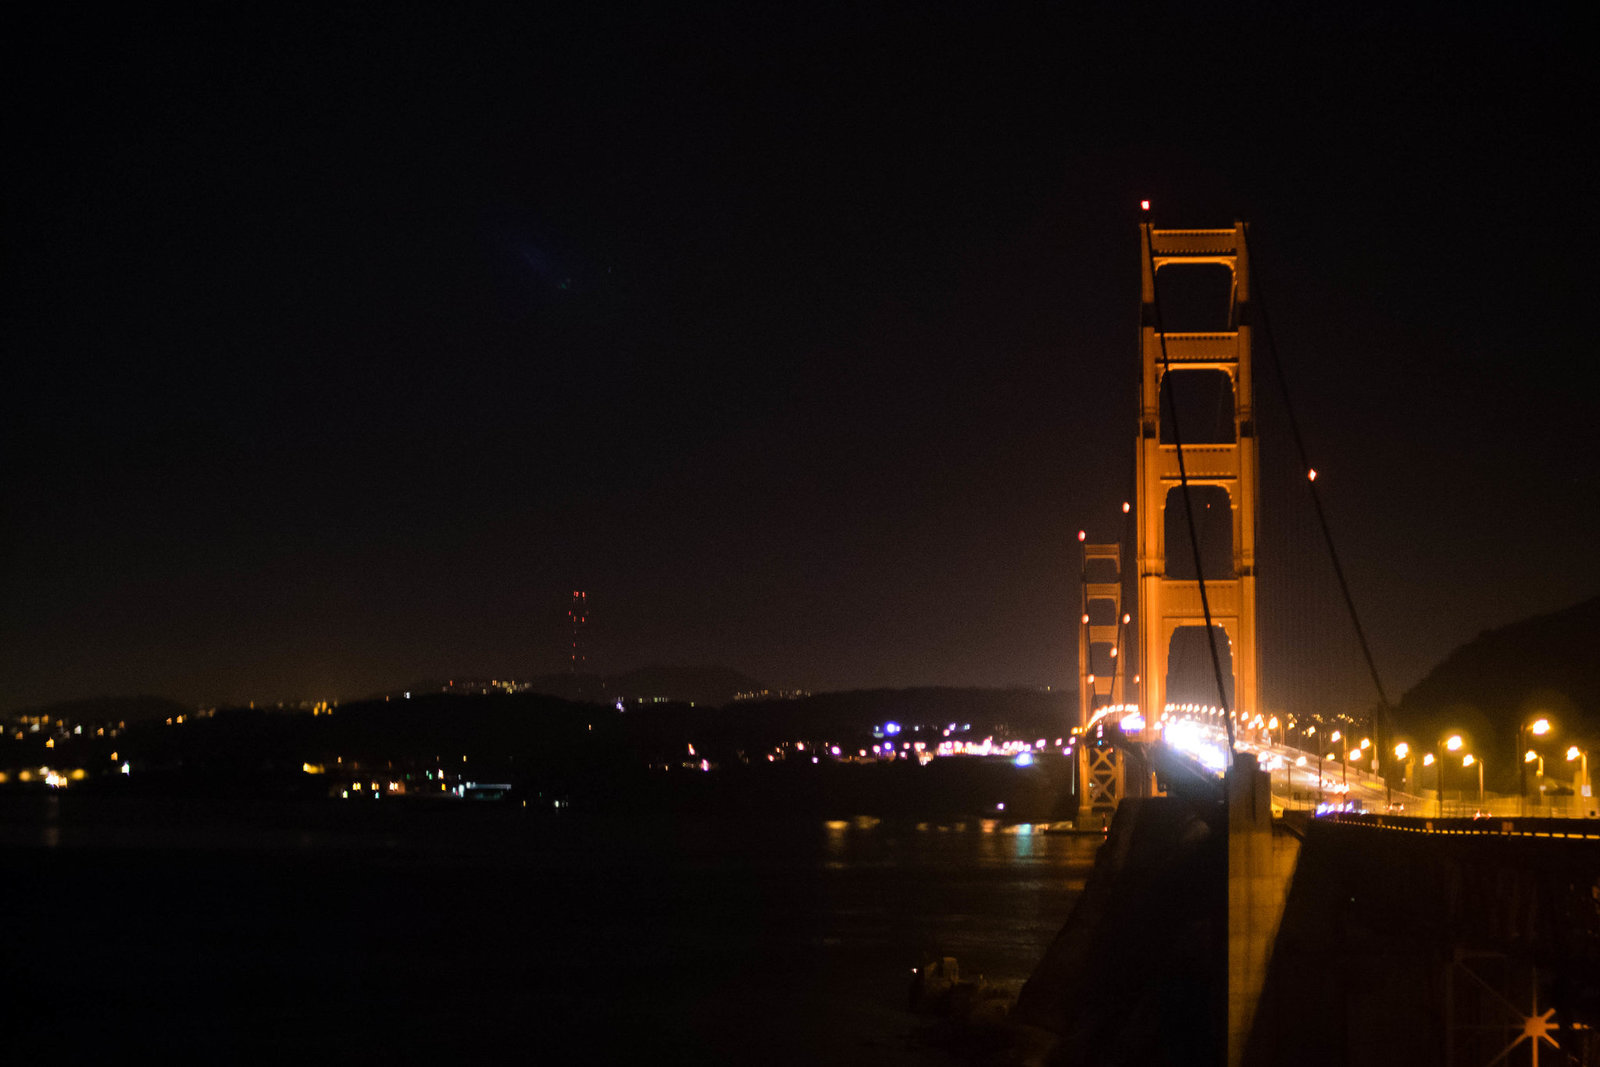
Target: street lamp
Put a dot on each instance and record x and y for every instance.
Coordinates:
(1427, 760)
(1528, 757)
(1538, 727)
(1333, 738)
(1453, 744)
(1401, 752)
(1468, 761)
(1582, 782)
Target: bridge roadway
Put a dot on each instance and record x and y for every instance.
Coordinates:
(1205, 935)
(1303, 781)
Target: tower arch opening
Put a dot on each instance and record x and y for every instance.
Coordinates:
(1191, 677)
(1204, 401)
(1196, 297)
(1213, 516)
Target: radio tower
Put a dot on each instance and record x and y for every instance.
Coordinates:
(578, 616)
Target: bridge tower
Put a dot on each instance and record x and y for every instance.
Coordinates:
(1100, 764)
(1166, 604)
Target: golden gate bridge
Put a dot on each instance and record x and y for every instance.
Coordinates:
(1310, 798)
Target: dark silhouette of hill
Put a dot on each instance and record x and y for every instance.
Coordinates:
(105, 709)
(545, 744)
(689, 685)
(1013, 711)
(1543, 666)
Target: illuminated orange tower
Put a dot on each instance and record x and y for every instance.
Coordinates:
(1166, 604)
(1101, 600)
(1101, 773)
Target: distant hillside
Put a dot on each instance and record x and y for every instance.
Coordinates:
(112, 709)
(988, 710)
(1547, 665)
(690, 685)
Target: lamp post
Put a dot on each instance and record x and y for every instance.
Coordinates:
(1361, 752)
(1468, 760)
(1538, 727)
(1333, 739)
(1305, 739)
(1453, 744)
(1427, 759)
(1528, 757)
(1401, 752)
(1582, 784)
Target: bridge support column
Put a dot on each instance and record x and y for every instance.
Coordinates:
(1260, 867)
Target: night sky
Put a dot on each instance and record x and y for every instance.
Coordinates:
(803, 337)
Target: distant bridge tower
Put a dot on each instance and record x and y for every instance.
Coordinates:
(578, 648)
(1100, 766)
(1166, 604)
(1097, 647)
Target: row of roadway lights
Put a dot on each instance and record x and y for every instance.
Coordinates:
(1364, 752)
(1454, 743)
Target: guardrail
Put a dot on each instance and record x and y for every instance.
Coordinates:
(1486, 826)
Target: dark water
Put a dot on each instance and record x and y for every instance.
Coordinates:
(336, 933)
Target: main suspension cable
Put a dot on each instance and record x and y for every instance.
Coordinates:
(1311, 481)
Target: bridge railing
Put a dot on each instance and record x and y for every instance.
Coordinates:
(1574, 829)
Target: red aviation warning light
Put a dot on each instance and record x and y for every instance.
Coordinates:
(1144, 205)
